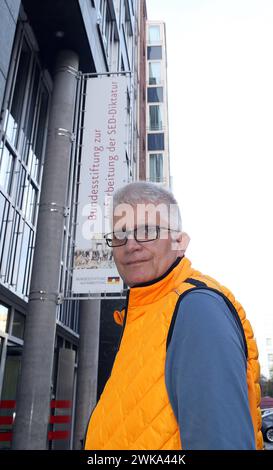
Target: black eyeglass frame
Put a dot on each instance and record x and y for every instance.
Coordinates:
(134, 232)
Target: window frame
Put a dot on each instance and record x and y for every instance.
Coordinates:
(151, 53)
(160, 118)
(158, 175)
(153, 145)
(21, 198)
(155, 27)
(155, 94)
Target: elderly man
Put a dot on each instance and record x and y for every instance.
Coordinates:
(186, 372)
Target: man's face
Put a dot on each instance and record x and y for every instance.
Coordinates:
(142, 262)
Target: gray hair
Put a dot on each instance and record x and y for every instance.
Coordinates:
(141, 192)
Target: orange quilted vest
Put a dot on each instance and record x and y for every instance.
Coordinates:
(134, 411)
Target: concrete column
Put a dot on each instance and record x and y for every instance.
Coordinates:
(87, 376)
(33, 398)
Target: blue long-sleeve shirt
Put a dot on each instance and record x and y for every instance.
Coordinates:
(206, 375)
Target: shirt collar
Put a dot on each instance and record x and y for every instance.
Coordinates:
(149, 292)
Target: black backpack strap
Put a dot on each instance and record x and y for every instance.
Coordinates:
(195, 282)
(202, 285)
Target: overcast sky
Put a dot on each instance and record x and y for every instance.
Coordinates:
(220, 85)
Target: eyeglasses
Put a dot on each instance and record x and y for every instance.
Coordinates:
(141, 234)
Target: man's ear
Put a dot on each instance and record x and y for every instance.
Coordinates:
(181, 242)
(185, 240)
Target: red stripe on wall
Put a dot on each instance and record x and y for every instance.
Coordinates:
(5, 436)
(59, 419)
(6, 419)
(7, 404)
(61, 404)
(58, 435)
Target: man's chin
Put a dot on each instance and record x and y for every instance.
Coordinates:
(136, 279)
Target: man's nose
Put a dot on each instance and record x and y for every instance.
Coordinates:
(132, 245)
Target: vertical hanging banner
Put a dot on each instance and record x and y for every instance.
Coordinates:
(103, 170)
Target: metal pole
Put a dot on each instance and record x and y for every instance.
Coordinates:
(95, 74)
(96, 297)
(33, 398)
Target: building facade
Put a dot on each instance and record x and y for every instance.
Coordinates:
(269, 353)
(49, 342)
(142, 51)
(158, 156)
(269, 348)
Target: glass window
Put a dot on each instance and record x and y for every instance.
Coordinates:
(6, 169)
(17, 242)
(16, 110)
(21, 197)
(155, 117)
(4, 317)
(34, 143)
(15, 179)
(155, 94)
(154, 33)
(18, 325)
(28, 264)
(128, 25)
(31, 204)
(156, 167)
(154, 73)
(14, 254)
(20, 163)
(3, 220)
(154, 53)
(26, 196)
(40, 135)
(108, 28)
(24, 258)
(156, 141)
(6, 244)
(28, 127)
(106, 24)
